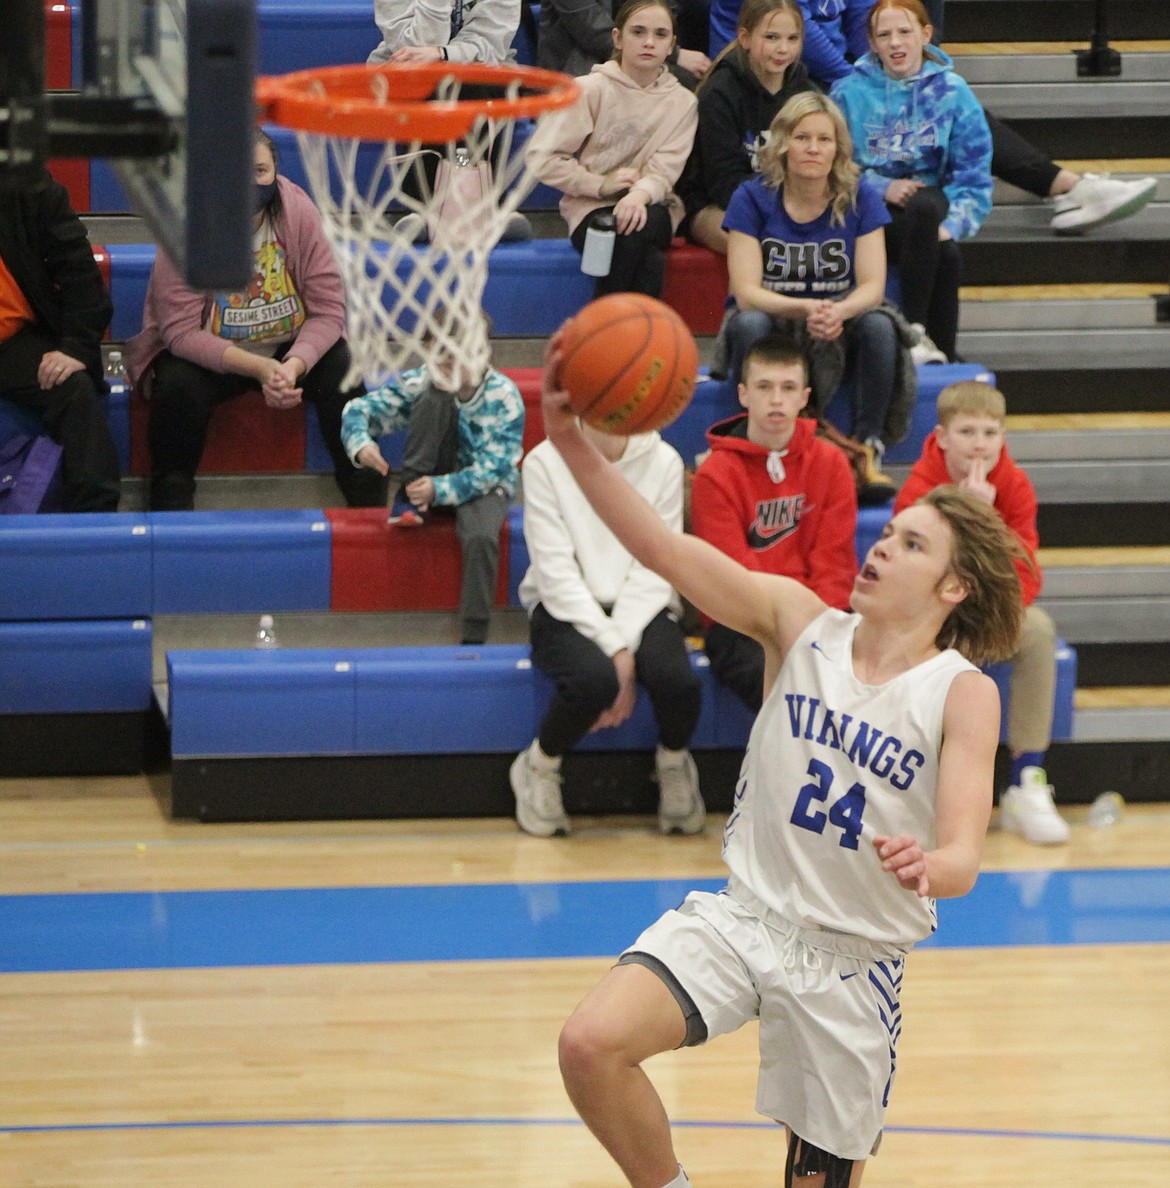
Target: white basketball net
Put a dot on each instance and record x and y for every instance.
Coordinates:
(413, 257)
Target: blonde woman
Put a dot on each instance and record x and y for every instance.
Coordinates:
(806, 255)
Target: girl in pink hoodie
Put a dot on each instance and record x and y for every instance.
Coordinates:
(620, 150)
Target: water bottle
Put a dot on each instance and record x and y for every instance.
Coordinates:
(266, 633)
(597, 255)
(1106, 810)
(115, 368)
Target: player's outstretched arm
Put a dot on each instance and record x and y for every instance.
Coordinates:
(768, 608)
(963, 803)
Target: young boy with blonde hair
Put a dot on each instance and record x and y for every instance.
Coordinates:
(967, 449)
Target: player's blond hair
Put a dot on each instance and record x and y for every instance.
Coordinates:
(985, 626)
(844, 176)
(971, 398)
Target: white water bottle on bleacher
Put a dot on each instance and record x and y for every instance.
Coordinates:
(115, 368)
(266, 633)
(597, 253)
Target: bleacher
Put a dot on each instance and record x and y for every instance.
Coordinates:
(80, 641)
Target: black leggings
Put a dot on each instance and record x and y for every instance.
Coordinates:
(639, 259)
(586, 680)
(183, 396)
(929, 268)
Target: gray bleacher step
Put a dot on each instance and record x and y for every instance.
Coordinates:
(989, 69)
(1006, 195)
(1032, 220)
(323, 629)
(233, 492)
(1082, 99)
(1121, 598)
(1121, 724)
(1106, 313)
(1078, 348)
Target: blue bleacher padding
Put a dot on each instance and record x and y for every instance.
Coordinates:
(1066, 684)
(130, 265)
(714, 400)
(932, 378)
(238, 561)
(96, 566)
(16, 420)
(91, 666)
(118, 419)
(534, 286)
(106, 195)
(298, 34)
(870, 522)
(422, 701)
(450, 700)
(249, 703)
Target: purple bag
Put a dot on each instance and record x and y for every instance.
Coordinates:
(30, 475)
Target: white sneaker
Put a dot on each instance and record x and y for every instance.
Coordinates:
(1028, 809)
(680, 804)
(539, 808)
(1098, 198)
(924, 351)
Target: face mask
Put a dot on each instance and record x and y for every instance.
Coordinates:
(264, 195)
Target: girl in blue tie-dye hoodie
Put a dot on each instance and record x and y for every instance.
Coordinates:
(921, 136)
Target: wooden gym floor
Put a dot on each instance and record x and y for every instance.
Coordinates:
(377, 1003)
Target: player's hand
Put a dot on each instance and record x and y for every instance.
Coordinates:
(944, 235)
(554, 400)
(421, 492)
(899, 192)
(55, 368)
(416, 55)
(902, 856)
(371, 457)
(975, 483)
(630, 212)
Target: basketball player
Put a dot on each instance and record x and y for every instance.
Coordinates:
(864, 795)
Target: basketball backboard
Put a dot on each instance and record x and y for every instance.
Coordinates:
(167, 93)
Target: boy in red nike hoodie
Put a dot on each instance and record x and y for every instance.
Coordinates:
(776, 498)
(967, 448)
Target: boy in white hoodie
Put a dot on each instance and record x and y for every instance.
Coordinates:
(601, 624)
(621, 149)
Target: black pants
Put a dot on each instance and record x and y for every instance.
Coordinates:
(738, 661)
(182, 399)
(432, 447)
(1016, 160)
(586, 680)
(73, 417)
(639, 259)
(929, 269)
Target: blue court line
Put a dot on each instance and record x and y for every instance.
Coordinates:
(361, 925)
(757, 1124)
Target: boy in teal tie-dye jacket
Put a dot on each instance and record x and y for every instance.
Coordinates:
(463, 450)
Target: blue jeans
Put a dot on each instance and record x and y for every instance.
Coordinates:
(871, 355)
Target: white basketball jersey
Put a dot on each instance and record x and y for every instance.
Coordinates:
(831, 763)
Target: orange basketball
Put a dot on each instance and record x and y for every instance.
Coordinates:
(628, 363)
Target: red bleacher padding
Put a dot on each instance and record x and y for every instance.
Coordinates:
(696, 285)
(245, 437)
(380, 567)
(73, 174)
(58, 46)
(527, 379)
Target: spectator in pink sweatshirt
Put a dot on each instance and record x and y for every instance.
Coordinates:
(283, 335)
(621, 149)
